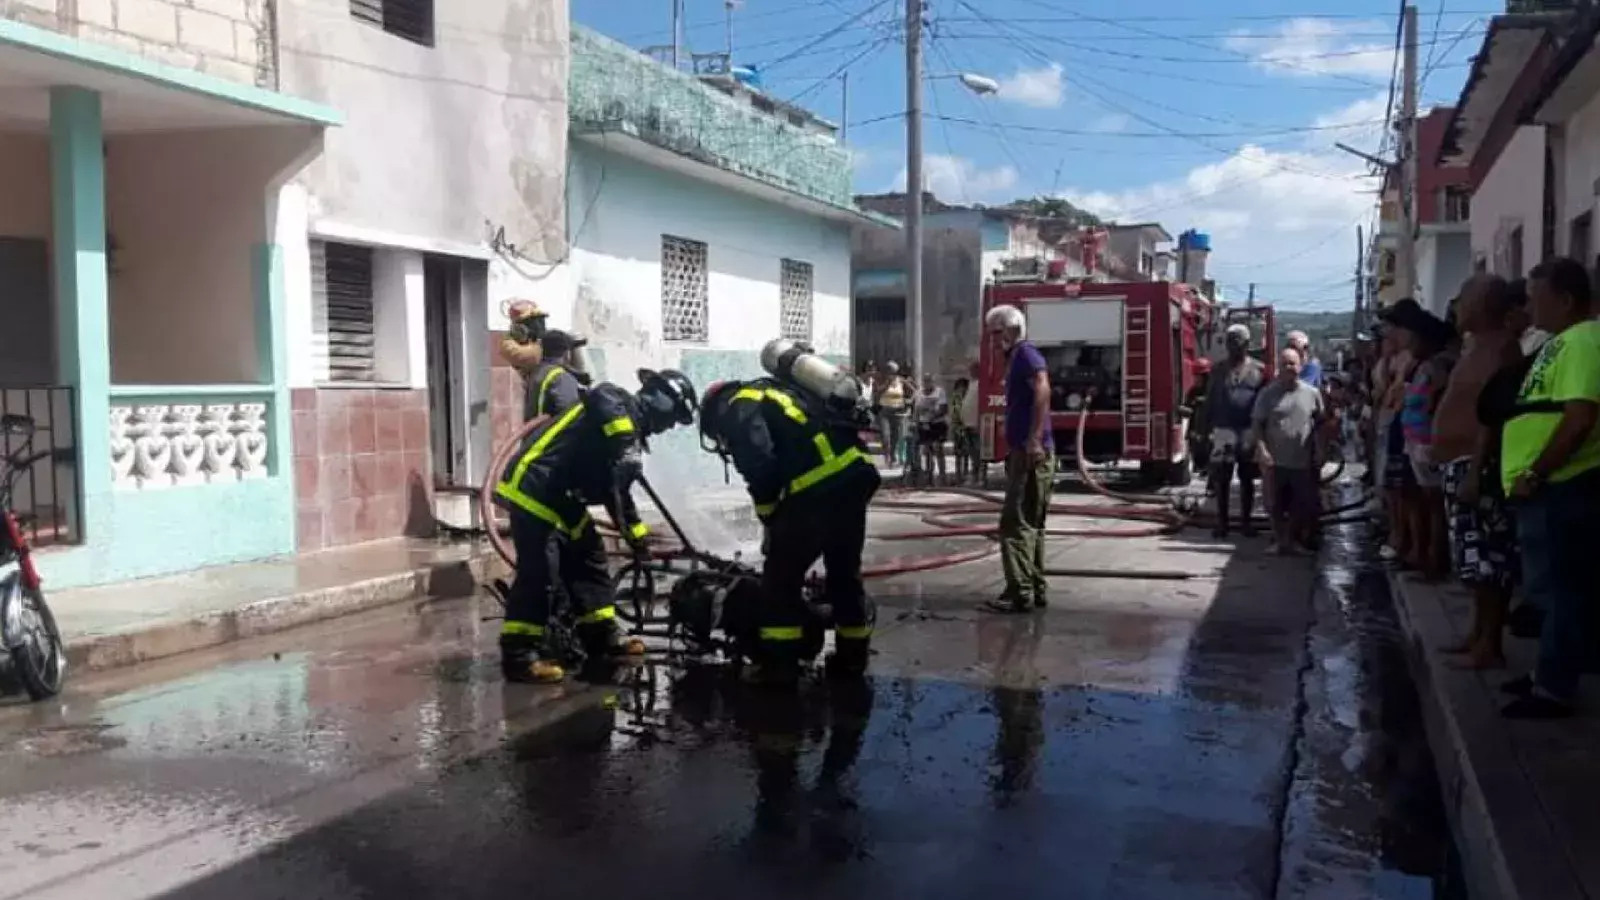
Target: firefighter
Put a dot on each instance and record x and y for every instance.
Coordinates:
(589, 454)
(556, 381)
(811, 481)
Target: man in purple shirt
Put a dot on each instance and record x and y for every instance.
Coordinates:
(1030, 463)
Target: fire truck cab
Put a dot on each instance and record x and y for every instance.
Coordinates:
(1131, 351)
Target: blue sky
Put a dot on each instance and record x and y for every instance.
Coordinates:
(1221, 118)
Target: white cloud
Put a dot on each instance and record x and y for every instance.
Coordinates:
(1359, 124)
(1271, 220)
(1311, 47)
(1110, 123)
(1042, 87)
(960, 180)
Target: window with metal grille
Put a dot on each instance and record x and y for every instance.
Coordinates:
(795, 301)
(683, 289)
(408, 19)
(342, 317)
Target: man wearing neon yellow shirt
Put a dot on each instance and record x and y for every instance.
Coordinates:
(1550, 463)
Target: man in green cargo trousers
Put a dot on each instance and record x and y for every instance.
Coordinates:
(1030, 463)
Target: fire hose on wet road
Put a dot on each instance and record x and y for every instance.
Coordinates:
(1157, 515)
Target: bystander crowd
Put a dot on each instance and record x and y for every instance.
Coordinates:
(1551, 467)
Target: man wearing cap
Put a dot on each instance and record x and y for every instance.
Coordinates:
(1230, 404)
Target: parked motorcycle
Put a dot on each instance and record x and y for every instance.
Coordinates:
(30, 643)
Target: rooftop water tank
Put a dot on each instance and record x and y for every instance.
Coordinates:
(746, 75)
(1194, 240)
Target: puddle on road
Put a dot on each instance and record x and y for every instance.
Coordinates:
(1367, 784)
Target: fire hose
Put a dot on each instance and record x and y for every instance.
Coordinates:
(944, 520)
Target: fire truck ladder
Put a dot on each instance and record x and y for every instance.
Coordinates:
(1135, 380)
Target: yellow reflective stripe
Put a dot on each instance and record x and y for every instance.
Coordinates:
(831, 464)
(766, 509)
(539, 446)
(540, 511)
(603, 614)
(620, 425)
(544, 385)
(638, 530)
(784, 401)
(783, 633)
(853, 632)
(522, 629)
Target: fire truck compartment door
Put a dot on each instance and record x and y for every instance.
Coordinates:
(1097, 321)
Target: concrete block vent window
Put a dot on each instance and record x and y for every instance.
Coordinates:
(684, 290)
(795, 300)
(410, 20)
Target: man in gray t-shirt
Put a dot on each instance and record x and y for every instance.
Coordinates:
(1285, 425)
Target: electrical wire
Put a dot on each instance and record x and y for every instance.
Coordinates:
(827, 35)
(870, 49)
(1167, 132)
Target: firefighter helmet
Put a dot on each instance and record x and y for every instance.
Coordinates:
(672, 393)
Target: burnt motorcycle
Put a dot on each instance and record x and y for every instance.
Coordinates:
(31, 651)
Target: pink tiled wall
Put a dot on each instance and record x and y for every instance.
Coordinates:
(505, 399)
(361, 464)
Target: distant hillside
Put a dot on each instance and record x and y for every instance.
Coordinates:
(1321, 327)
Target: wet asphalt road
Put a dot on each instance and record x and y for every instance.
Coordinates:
(1244, 734)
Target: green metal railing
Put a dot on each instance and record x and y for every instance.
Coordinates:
(616, 89)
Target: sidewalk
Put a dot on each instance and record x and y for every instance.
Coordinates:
(1521, 796)
(136, 621)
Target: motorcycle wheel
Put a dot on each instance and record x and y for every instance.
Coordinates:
(40, 660)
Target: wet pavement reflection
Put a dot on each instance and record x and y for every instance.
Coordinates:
(1250, 734)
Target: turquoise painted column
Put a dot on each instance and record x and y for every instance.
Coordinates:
(78, 193)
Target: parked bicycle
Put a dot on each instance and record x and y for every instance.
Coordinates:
(31, 651)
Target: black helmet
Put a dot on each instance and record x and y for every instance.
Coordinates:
(675, 389)
(717, 395)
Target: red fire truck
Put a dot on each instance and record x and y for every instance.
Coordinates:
(1132, 351)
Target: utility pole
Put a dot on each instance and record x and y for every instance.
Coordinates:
(914, 183)
(1250, 300)
(1406, 270)
(677, 30)
(844, 107)
(1359, 320)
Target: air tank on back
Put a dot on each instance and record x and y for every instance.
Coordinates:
(797, 364)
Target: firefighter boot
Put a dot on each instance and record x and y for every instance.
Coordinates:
(524, 661)
(604, 648)
(849, 658)
(774, 665)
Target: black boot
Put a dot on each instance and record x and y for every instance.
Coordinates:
(849, 658)
(524, 661)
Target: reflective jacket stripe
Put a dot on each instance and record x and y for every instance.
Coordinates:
(603, 614)
(782, 633)
(619, 425)
(522, 629)
(511, 489)
(831, 464)
(853, 632)
(544, 386)
(784, 401)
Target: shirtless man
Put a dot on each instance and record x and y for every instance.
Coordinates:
(1482, 538)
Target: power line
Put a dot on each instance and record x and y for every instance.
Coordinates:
(826, 35)
(1167, 132)
(871, 48)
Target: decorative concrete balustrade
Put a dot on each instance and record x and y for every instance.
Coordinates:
(164, 442)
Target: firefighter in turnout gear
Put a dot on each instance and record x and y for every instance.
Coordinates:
(591, 453)
(811, 481)
(555, 385)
